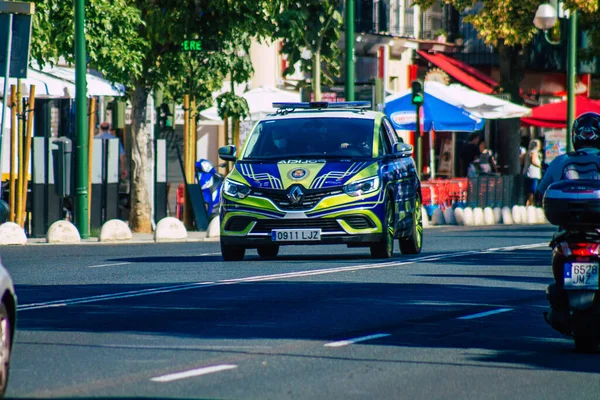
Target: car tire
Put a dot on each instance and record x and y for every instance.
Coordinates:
(5, 347)
(268, 251)
(413, 243)
(232, 253)
(385, 248)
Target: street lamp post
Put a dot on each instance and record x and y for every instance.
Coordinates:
(81, 149)
(545, 18)
(349, 87)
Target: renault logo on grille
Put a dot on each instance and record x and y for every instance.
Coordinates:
(295, 195)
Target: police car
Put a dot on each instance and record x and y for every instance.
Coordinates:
(321, 173)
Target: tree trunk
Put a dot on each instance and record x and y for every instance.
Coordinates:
(512, 71)
(141, 152)
(316, 75)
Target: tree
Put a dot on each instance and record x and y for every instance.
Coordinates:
(310, 31)
(137, 42)
(508, 25)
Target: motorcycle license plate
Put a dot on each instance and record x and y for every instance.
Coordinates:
(581, 275)
(295, 235)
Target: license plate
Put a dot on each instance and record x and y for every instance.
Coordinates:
(581, 275)
(295, 235)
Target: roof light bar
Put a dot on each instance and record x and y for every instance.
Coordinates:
(323, 104)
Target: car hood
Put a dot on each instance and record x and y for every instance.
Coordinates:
(317, 174)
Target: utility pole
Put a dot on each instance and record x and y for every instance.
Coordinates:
(571, 73)
(349, 86)
(82, 141)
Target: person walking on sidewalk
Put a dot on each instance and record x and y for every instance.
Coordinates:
(105, 134)
(532, 169)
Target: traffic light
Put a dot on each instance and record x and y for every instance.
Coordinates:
(163, 113)
(418, 95)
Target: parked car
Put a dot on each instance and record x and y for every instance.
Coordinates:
(8, 314)
(321, 173)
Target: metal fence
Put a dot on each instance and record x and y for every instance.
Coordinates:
(496, 191)
(483, 191)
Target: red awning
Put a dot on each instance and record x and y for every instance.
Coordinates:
(471, 70)
(554, 115)
(457, 73)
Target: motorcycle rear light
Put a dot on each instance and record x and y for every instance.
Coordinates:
(584, 249)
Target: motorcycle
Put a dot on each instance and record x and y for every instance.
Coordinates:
(574, 297)
(210, 182)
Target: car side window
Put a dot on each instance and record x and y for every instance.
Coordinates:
(384, 142)
(394, 138)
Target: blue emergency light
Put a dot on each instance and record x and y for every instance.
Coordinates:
(322, 104)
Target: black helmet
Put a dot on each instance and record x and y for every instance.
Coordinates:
(586, 131)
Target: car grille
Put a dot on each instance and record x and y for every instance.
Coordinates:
(310, 198)
(325, 224)
(237, 224)
(359, 222)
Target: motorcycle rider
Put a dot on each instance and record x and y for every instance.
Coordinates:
(586, 142)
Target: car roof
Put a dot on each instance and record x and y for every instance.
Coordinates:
(324, 113)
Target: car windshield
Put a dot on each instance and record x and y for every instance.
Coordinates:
(311, 137)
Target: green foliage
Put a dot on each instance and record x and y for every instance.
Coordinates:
(510, 21)
(232, 106)
(312, 26)
(113, 44)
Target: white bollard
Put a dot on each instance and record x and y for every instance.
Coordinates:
(478, 216)
(449, 216)
(531, 215)
(516, 215)
(12, 234)
(425, 217)
(468, 215)
(115, 230)
(170, 229)
(438, 217)
(488, 216)
(459, 216)
(507, 218)
(523, 211)
(541, 216)
(63, 232)
(497, 215)
(214, 227)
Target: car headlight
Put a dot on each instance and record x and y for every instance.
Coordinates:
(365, 186)
(235, 189)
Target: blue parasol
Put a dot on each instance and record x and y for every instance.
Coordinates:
(436, 114)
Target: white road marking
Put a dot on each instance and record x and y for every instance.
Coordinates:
(485, 314)
(348, 342)
(109, 265)
(192, 373)
(259, 278)
(209, 254)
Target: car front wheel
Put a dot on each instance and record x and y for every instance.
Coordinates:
(414, 241)
(5, 347)
(385, 248)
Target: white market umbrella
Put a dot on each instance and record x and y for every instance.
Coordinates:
(46, 86)
(96, 86)
(476, 103)
(260, 102)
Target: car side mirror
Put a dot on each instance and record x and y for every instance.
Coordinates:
(227, 153)
(402, 150)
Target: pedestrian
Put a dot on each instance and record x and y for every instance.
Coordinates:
(469, 153)
(487, 163)
(106, 135)
(532, 169)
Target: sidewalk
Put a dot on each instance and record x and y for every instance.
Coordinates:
(137, 239)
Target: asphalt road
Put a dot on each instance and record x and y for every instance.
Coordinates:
(462, 320)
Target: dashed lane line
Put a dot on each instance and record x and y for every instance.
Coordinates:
(485, 314)
(259, 278)
(348, 342)
(193, 373)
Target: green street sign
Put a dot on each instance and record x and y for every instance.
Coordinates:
(191, 45)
